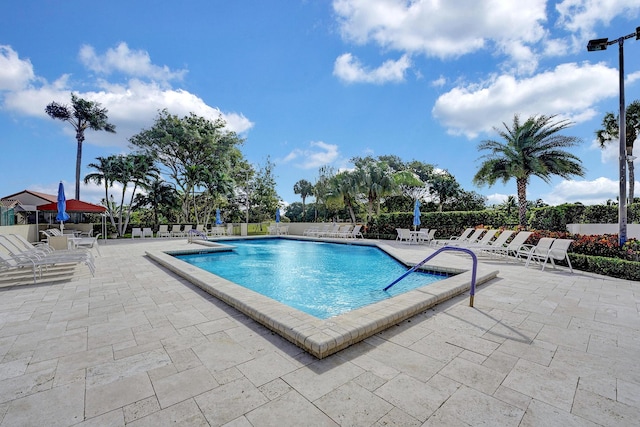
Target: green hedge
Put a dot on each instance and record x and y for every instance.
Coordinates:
(556, 218)
(611, 267)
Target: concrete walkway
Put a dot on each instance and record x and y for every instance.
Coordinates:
(137, 345)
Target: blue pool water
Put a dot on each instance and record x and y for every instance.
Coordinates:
(321, 279)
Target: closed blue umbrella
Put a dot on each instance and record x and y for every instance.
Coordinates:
(218, 220)
(62, 215)
(416, 214)
(278, 215)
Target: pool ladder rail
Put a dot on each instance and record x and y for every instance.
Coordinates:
(472, 291)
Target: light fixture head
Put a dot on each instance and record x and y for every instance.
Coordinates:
(597, 44)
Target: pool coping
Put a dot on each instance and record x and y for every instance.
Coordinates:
(320, 337)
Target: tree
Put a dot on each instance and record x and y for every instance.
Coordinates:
(82, 115)
(265, 199)
(105, 173)
(375, 180)
(196, 152)
(532, 148)
(344, 189)
(159, 194)
(611, 132)
(444, 186)
(304, 188)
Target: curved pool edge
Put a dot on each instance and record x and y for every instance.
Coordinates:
(319, 337)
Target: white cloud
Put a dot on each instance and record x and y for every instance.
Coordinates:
(132, 106)
(350, 70)
(440, 28)
(569, 90)
(135, 63)
(15, 73)
(592, 192)
(318, 154)
(497, 198)
(583, 15)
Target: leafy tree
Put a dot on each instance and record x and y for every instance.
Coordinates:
(305, 189)
(136, 169)
(265, 199)
(344, 189)
(160, 196)
(197, 153)
(444, 186)
(322, 189)
(375, 180)
(82, 115)
(611, 132)
(467, 201)
(532, 148)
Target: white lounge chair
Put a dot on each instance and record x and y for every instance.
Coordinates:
(136, 232)
(549, 249)
(426, 236)
(18, 262)
(477, 240)
(147, 232)
(404, 235)
(355, 232)
(343, 231)
(163, 231)
(176, 231)
(463, 235)
(499, 242)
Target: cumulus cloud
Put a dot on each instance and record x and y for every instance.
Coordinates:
(318, 154)
(350, 70)
(15, 73)
(135, 63)
(570, 90)
(132, 105)
(583, 15)
(591, 192)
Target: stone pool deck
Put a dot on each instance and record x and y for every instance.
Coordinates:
(139, 345)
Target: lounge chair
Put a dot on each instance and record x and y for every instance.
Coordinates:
(176, 231)
(427, 236)
(90, 242)
(473, 238)
(163, 231)
(404, 235)
(320, 231)
(534, 252)
(549, 249)
(499, 242)
(487, 237)
(309, 231)
(343, 231)
(355, 232)
(10, 263)
(17, 245)
(451, 239)
(510, 249)
(136, 232)
(147, 232)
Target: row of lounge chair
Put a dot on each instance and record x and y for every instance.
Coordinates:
(425, 235)
(346, 231)
(17, 255)
(497, 243)
(177, 230)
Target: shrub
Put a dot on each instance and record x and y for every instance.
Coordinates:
(611, 267)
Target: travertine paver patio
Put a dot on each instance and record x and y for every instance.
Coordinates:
(137, 345)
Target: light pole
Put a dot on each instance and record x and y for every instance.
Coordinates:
(601, 44)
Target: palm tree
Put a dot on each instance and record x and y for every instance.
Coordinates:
(82, 115)
(159, 193)
(344, 189)
(532, 148)
(304, 188)
(105, 173)
(376, 181)
(610, 132)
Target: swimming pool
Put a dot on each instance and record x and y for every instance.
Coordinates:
(323, 337)
(318, 278)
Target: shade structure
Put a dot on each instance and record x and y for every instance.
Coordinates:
(278, 215)
(416, 214)
(61, 206)
(218, 220)
(73, 206)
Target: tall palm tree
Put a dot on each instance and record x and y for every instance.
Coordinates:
(82, 115)
(532, 148)
(344, 189)
(610, 132)
(304, 188)
(376, 181)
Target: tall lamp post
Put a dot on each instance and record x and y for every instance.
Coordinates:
(602, 44)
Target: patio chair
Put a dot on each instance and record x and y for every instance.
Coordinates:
(512, 248)
(18, 245)
(550, 250)
(136, 232)
(90, 242)
(534, 252)
(176, 231)
(343, 231)
(404, 235)
(320, 231)
(163, 231)
(499, 242)
(18, 262)
(477, 241)
(147, 232)
(463, 235)
(355, 232)
(427, 237)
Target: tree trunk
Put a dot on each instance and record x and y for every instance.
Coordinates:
(632, 175)
(80, 139)
(521, 183)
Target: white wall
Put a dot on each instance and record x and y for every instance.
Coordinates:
(633, 230)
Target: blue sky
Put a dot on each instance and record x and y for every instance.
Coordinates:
(313, 83)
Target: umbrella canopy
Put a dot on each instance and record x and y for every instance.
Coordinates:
(62, 215)
(416, 214)
(218, 220)
(74, 206)
(278, 215)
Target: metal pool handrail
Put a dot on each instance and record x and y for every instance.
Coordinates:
(472, 291)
